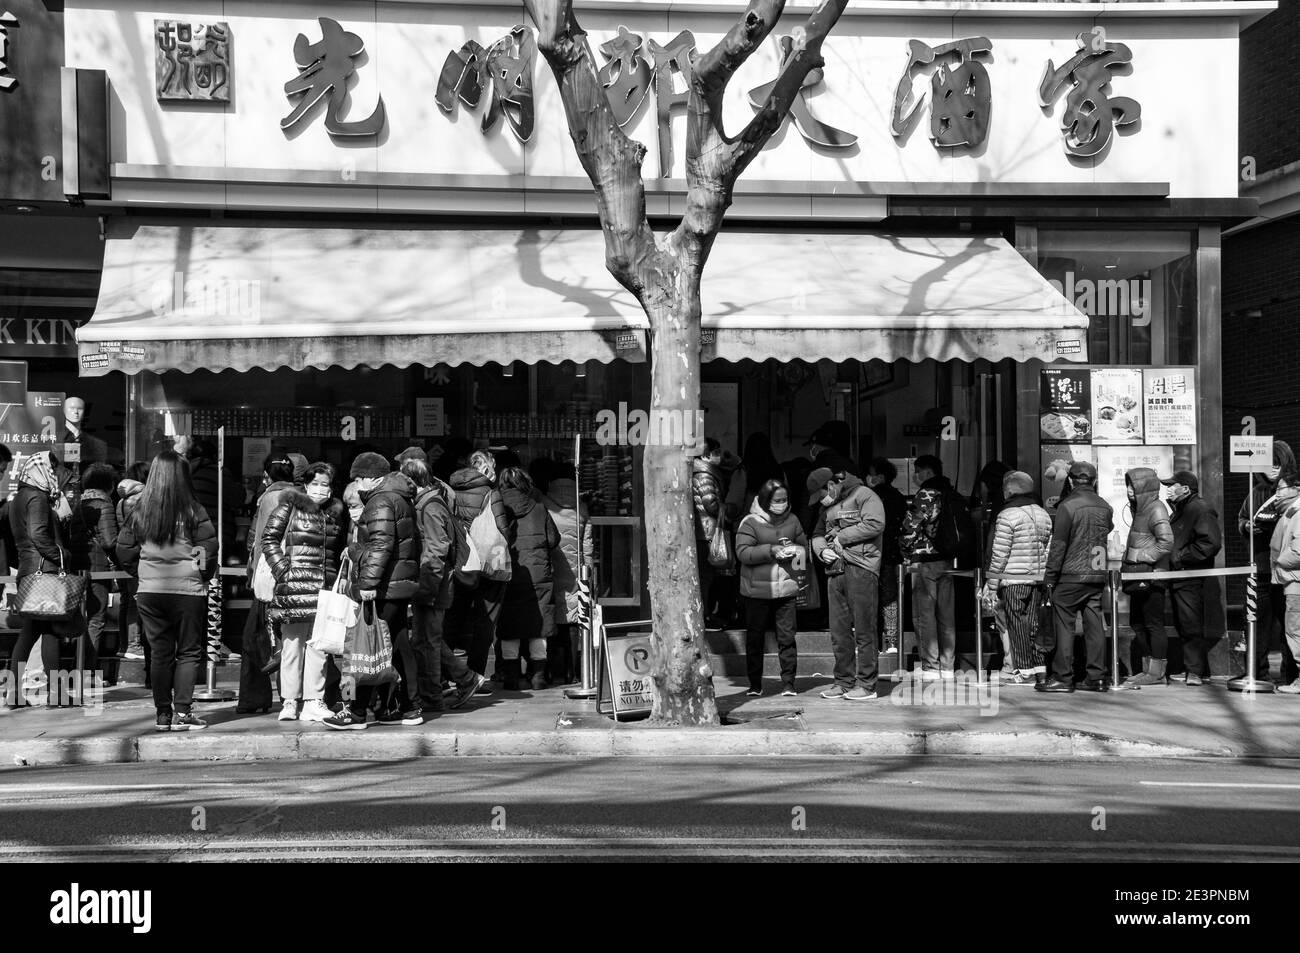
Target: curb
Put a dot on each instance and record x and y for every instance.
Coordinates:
(396, 745)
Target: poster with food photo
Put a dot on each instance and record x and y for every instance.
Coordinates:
(1056, 460)
(1063, 400)
(1116, 406)
(1170, 405)
(1113, 463)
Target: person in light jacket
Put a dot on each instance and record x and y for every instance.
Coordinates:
(170, 545)
(847, 539)
(770, 547)
(1150, 542)
(1022, 532)
(1284, 557)
(1284, 475)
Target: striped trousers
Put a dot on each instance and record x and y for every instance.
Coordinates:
(1020, 607)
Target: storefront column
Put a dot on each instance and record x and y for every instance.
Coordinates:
(1209, 357)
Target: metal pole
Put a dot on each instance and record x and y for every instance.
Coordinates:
(979, 630)
(1112, 580)
(1248, 683)
(901, 670)
(216, 604)
(588, 687)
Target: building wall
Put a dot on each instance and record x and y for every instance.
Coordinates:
(1270, 96)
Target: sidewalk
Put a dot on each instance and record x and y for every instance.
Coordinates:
(909, 718)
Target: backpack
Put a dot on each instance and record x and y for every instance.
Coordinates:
(955, 536)
(482, 552)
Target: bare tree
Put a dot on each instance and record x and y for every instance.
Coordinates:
(664, 275)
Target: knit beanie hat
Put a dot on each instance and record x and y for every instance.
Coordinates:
(1017, 483)
(411, 452)
(300, 465)
(369, 465)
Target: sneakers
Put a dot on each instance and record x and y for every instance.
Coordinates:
(394, 718)
(345, 721)
(860, 694)
(1193, 679)
(1292, 689)
(930, 675)
(465, 692)
(754, 693)
(789, 692)
(835, 691)
(1015, 678)
(134, 652)
(314, 710)
(889, 650)
(164, 720)
(289, 710)
(187, 721)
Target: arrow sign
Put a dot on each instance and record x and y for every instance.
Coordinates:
(1252, 454)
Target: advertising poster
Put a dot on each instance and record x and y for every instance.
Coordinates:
(1116, 406)
(254, 457)
(430, 420)
(1169, 406)
(1056, 460)
(1112, 464)
(1065, 397)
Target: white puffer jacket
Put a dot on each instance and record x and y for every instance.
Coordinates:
(1020, 540)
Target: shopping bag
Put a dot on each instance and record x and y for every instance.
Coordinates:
(335, 614)
(490, 546)
(721, 552)
(368, 650)
(263, 581)
(48, 595)
(801, 570)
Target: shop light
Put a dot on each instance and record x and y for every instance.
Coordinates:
(508, 370)
(580, 369)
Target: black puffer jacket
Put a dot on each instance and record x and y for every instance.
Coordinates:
(388, 547)
(472, 490)
(35, 532)
(302, 543)
(1076, 553)
(535, 537)
(438, 551)
(101, 524)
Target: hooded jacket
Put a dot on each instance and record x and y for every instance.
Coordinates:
(434, 516)
(918, 537)
(1198, 537)
(1083, 524)
(266, 504)
(1021, 536)
(388, 550)
(561, 501)
(473, 490)
(1150, 538)
(128, 495)
(1266, 516)
(762, 576)
(852, 527)
(534, 539)
(171, 568)
(100, 520)
(1284, 544)
(303, 543)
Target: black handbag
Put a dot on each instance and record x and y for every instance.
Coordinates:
(1136, 587)
(56, 596)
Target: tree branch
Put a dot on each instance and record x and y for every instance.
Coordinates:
(611, 160)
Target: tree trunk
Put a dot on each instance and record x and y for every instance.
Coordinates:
(683, 671)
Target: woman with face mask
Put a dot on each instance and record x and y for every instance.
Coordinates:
(302, 543)
(770, 544)
(1270, 495)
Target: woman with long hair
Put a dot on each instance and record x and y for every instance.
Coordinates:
(170, 546)
(304, 537)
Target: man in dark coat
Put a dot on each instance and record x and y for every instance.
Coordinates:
(1198, 538)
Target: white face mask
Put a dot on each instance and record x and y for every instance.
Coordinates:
(318, 493)
(829, 499)
(779, 509)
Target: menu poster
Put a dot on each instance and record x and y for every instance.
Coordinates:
(1113, 463)
(1169, 401)
(1056, 460)
(1064, 399)
(430, 418)
(1116, 406)
(254, 457)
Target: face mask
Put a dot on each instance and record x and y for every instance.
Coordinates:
(779, 509)
(1274, 473)
(828, 499)
(318, 493)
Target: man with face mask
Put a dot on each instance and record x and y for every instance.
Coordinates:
(847, 540)
(1197, 540)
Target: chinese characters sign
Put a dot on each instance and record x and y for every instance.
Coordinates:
(960, 96)
(1170, 402)
(504, 70)
(323, 70)
(7, 21)
(1090, 115)
(192, 61)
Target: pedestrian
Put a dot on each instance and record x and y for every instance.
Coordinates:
(528, 616)
(880, 478)
(476, 608)
(211, 482)
(386, 556)
(1284, 474)
(1075, 577)
(560, 496)
(708, 491)
(1150, 541)
(440, 551)
(100, 519)
(129, 489)
(170, 545)
(257, 661)
(932, 595)
(1022, 532)
(847, 539)
(770, 543)
(38, 517)
(1285, 555)
(352, 500)
(829, 444)
(1198, 538)
(303, 542)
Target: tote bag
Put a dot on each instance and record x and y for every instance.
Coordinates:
(335, 614)
(489, 545)
(368, 650)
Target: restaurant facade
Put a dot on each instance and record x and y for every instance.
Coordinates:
(988, 231)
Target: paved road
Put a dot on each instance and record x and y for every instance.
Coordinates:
(890, 809)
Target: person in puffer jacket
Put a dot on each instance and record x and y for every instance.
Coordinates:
(710, 478)
(387, 560)
(1021, 534)
(771, 547)
(560, 496)
(475, 610)
(847, 539)
(1284, 557)
(1198, 538)
(303, 543)
(1285, 473)
(100, 519)
(1150, 541)
(128, 619)
(529, 612)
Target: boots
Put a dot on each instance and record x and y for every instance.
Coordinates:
(1152, 674)
(537, 674)
(510, 674)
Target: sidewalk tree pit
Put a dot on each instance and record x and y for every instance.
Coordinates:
(664, 275)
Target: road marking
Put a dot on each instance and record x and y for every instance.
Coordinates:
(1219, 784)
(102, 788)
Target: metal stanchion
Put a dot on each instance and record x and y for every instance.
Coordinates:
(1248, 683)
(979, 629)
(588, 688)
(1113, 577)
(900, 669)
(216, 603)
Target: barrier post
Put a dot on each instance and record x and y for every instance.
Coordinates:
(588, 687)
(216, 602)
(979, 629)
(1112, 576)
(901, 670)
(1248, 683)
